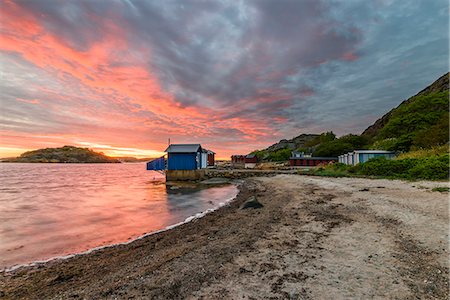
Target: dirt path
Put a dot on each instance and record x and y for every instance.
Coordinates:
(314, 238)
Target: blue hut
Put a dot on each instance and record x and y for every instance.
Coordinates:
(184, 157)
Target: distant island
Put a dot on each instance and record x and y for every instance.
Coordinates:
(66, 154)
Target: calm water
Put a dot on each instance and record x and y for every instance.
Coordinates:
(49, 210)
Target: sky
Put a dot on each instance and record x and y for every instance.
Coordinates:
(122, 77)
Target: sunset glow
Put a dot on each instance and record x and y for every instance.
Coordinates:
(122, 77)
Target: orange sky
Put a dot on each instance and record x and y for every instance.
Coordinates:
(122, 77)
(106, 73)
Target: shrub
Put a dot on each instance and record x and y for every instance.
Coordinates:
(388, 144)
(381, 166)
(430, 168)
(433, 168)
(435, 135)
(280, 155)
(423, 153)
(341, 145)
(442, 189)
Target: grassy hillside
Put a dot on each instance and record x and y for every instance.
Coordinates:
(66, 154)
(419, 122)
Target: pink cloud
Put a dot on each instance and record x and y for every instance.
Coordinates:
(30, 101)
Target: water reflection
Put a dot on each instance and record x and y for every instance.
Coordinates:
(49, 210)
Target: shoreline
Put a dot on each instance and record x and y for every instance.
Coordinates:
(350, 237)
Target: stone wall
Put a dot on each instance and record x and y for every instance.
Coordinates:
(185, 175)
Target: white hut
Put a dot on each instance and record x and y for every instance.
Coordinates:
(204, 159)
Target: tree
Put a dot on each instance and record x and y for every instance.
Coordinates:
(341, 145)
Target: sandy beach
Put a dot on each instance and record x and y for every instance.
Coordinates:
(314, 238)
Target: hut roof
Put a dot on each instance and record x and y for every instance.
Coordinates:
(183, 148)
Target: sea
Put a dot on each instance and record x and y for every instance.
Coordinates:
(56, 210)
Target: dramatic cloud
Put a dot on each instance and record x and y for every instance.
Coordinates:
(124, 76)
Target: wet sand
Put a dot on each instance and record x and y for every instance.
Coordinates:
(314, 238)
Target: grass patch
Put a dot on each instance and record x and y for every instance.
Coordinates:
(441, 189)
(422, 153)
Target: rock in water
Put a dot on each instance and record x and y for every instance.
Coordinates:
(251, 202)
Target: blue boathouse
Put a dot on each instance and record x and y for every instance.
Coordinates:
(184, 157)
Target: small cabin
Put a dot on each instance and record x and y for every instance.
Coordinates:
(297, 154)
(237, 160)
(250, 161)
(211, 158)
(184, 157)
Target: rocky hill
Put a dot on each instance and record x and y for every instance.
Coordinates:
(66, 154)
(281, 151)
(423, 114)
(294, 143)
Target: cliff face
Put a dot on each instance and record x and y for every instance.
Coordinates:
(440, 85)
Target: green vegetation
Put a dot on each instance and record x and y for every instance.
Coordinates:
(441, 189)
(323, 138)
(66, 154)
(336, 147)
(278, 155)
(422, 153)
(420, 122)
(431, 168)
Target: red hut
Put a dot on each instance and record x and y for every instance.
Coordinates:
(237, 160)
(211, 160)
(250, 161)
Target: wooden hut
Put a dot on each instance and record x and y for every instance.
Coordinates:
(238, 160)
(211, 158)
(184, 157)
(250, 161)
